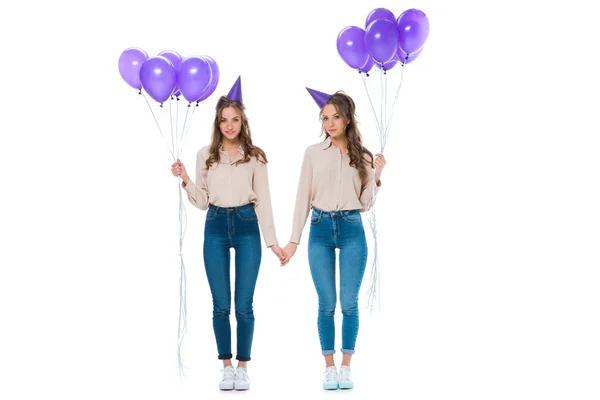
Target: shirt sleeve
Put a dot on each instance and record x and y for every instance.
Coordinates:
(264, 209)
(303, 198)
(198, 192)
(369, 192)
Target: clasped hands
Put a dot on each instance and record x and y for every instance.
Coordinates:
(284, 254)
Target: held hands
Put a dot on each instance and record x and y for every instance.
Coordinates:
(178, 169)
(379, 165)
(280, 253)
(284, 254)
(290, 250)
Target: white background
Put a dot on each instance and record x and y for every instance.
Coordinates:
(488, 219)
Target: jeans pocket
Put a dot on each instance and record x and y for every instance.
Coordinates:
(351, 216)
(315, 217)
(246, 213)
(211, 213)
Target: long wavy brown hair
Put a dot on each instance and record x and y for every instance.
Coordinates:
(345, 106)
(245, 135)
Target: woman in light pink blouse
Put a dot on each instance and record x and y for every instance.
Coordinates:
(339, 180)
(232, 184)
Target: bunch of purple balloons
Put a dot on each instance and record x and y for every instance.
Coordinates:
(168, 74)
(385, 41)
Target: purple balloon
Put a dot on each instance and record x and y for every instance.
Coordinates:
(408, 58)
(194, 76)
(351, 46)
(130, 63)
(379, 13)
(388, 65)
(158, 78)
(175, 59)
(368, 65)
(381, 39)
(413, 30)
(214, 78)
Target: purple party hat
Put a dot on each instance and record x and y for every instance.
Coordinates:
(235, 94)
(319, 97)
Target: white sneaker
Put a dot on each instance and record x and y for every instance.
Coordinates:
(330, 381)
(242, 380)
(345, 378)
(227, 379)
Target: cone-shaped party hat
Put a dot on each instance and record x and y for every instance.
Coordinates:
(235, 94)
(319, 97)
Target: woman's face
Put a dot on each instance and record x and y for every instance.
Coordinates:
(231, 123)
(333, 122)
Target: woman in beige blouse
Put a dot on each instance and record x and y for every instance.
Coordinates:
(339, 180)
(232, 183)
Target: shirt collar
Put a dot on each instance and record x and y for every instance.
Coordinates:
(240, 149)
(327, 143)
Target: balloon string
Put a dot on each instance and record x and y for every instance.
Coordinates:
(389, 122)
(373, 291)
(370, 100)
(173, 137)
(177, 118)
(382, 106)
(383, 127)
(182, 324)
(185, 119)
(388, 111)
(158, 125)
(185, 129)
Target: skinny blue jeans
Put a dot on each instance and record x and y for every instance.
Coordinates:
(331, 230)
(237, 228)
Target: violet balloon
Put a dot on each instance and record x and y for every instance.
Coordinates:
(193, 77)
(130, 63)
(175, 59)
(379, 13)
(368, 65)
(413, 30)
(351, 46)
(158, 77)
(408, 58)
(381, 39)
(214, 78)
(388, 65)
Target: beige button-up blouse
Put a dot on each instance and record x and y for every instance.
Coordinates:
(228, 184)
(329, 183)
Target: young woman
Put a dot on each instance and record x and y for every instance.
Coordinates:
(339, 180)
(232, 183)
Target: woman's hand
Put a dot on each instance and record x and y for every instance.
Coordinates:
(379, 165)
(290, 250)
(178, 169)
(280, 253)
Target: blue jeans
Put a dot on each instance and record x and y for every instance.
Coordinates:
(226, 228)
(330, 230)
